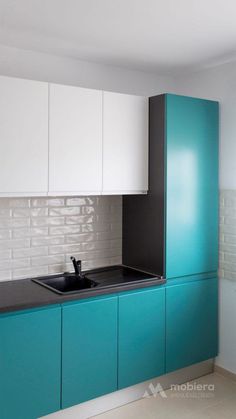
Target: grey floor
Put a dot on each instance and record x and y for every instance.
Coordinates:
(216, 400)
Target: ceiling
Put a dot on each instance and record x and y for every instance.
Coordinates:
(165, 36)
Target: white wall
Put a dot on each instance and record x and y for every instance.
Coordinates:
(44, 67)
(219, 83)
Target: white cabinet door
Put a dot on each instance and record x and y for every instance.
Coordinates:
(125, 143)
(75, 140)
(23, 137)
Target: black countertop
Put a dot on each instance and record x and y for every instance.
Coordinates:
(24, 293)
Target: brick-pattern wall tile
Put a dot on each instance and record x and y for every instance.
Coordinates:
(38, 235)
(227, 255)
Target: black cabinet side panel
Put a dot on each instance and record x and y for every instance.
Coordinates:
(143, 215)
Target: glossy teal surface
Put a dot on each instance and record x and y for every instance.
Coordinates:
(191, 186)
(30, 360)
(191, 323)
(89, 350)
(141, 336)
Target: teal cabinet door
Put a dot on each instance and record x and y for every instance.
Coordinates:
(191, 186)
(191, 323)
(30, 363)
(89, 350)
(141, 336)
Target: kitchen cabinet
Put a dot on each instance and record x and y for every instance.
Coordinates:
(125, 143)
(173, 231)
(191, 186)
(75, 140)
(191, 323)
(67, 140)
(89, 349)
(30, 362)
(141, 354)
(24, 137)
(58, 356)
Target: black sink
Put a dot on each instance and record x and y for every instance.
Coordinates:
(106, 278)
(66, 283)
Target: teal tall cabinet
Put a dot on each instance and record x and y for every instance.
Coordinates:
(191, 176)
(173, 231)
(30, 362)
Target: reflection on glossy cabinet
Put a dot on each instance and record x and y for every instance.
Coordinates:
(125, 143)
(191, 323)
(24, 137)
(30, 363)
(75, 140)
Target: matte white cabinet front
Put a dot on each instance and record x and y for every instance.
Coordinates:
(23, 137)
(75, 140)
(125, 143)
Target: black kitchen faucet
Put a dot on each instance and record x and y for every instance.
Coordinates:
(77, 266)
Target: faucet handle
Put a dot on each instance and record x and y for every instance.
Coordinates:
(77, 265)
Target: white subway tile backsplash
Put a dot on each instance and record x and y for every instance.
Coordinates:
(88, 210)
(65, 248)
(14, 222)
(5, 254)
(29, 272)
(30, 212)
(19, 203)
(47, 202)
(55, 231)
(64, 211)
(228, 234)
(29, 252)
(47, 260)
(47, 221)
(5, 234)
(4, 212)
(78, 201)
(29, 232)
(5, 275)
(79, 219)
(14, 263)
(13, 244)
(80, 238)
(38, 235)
(47, 240)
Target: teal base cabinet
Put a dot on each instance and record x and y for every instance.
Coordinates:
(191, 323)
(89, 349)
(30, 359)
(141, 336)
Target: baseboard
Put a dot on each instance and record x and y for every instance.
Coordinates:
(225, 373)
(119, 398)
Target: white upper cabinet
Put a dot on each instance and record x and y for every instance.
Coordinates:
(66, 140)
(75, 140)
(125, 143)
(23, 137)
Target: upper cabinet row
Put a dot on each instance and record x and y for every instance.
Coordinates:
(58, 140)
